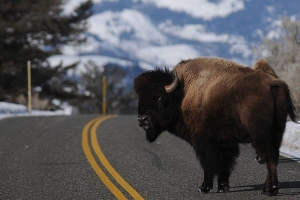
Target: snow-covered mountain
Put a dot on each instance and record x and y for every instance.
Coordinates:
(143, 34)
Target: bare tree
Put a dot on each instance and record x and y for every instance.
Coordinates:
(120, 99)
(283, 54)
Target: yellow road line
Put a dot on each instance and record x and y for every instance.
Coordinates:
(108, 166)
(94, 125)
(118, 194)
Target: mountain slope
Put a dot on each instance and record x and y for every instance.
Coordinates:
(150, 33)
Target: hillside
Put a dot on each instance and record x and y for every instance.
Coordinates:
(143, 34)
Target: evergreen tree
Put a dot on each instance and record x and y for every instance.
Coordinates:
(35, 30)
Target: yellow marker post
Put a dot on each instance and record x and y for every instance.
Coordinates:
(29, 85)
(104, 95)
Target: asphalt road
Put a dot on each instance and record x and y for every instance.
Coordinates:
(47, 158)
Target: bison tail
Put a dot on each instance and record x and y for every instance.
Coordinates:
(290, 106)
(289, 103)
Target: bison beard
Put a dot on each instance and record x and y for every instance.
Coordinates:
(152, 123)
(214, 105)
(149, 127)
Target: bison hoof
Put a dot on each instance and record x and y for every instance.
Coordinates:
(204, 190)
(223, 188)
(260, 160)
(271, 191)
(205, 187)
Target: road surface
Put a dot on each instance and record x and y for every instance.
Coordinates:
(91, 157)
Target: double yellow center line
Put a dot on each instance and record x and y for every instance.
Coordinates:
(91, 129)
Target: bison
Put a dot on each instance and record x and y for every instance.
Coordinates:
(214, 104)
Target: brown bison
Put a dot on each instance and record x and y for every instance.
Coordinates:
(215, 104)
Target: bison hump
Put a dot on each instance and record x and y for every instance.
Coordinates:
(264, 66)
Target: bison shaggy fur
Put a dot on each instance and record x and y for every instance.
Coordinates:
(215, 104)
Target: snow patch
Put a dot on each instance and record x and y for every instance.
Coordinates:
(8, 108)
(167, 56)
(83, 60)
(130, 24)
(291, 140)
(90, 46)
(15, 110)
(150, 57)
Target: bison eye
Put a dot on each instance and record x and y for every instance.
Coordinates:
(161, 97)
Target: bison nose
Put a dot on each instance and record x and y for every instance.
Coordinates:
(142, 120)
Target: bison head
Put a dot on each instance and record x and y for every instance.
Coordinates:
(157, 107)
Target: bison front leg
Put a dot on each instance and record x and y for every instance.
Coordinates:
(216, 159)
(206, 154)
(207, 184)
(219, 164)
(223, 181)
(227, 159)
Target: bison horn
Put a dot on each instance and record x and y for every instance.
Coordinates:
(173, 85)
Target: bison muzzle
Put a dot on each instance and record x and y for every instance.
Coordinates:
(215, 104)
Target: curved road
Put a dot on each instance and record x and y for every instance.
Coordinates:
(91, 157)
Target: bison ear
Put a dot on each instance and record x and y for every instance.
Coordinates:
(170, 88)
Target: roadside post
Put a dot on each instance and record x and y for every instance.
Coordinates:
(104, 95)
(29, 86)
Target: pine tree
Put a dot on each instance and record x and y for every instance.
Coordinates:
(35, 30)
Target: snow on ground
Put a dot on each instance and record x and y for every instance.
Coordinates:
(290, 144)
(14, 110)
(291, 140)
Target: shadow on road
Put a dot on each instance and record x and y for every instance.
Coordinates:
(245, 188)
(283, 185)
(289, 160)
(293, 184)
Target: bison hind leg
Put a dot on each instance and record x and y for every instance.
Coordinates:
(270, 191)
(260, 158)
